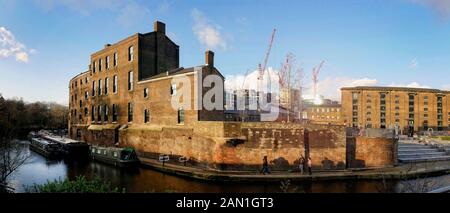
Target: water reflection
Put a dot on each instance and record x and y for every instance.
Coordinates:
(39, 170)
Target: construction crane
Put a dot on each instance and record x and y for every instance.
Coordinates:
(282, 74)
(315, 77)
(262, 68)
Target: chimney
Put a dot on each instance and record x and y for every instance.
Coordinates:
(107, 45)
(209, 56)
(159, 27)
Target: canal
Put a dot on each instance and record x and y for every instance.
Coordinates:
(39, 170)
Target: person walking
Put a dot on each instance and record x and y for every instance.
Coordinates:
(301, 164)
(309, 165)
(265, 168)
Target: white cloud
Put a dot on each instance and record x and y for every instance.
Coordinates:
(133, 14)
(208, 34)
(22, 57)
(412, 85)
(331, 87)
(414, 64)
(10, 47)
(446, 87)
(440, 7)
(237, 82)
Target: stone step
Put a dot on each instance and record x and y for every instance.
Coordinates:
(419, 155)
(425, 159)
(411, 145)
(405, 151)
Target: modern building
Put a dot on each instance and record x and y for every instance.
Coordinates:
(131, 83)
(415, 109)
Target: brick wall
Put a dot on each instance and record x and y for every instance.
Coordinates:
(229, 146)
(363, 152)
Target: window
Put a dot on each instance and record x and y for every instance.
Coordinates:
(355, 96)
(93, 88)
(107, 62)
(146, 93)
(425, 109)
(173, 89)
(114, 113)
(355, 108)
(425, 115)
(81, 103)
(130, 80)
(100, 63)
(105, 114)
(180, 115)
(99, 113)
(397, 114)
(397, 108)
(94, 65)
(100, 86)
(93, 114)
(86, 95)
(106, 85)
(130, 53)
(115, 84)
(85, 80)
(115, 59)
(86, 111)
(146, 116)
(130, 112)
(115, 154)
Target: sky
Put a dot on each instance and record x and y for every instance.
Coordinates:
(44, 43)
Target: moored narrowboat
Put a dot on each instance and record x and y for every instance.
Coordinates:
(72, 149)
(46, 148)
(122, 157)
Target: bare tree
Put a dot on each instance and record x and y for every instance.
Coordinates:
(12, 156)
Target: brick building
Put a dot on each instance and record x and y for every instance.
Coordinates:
(385, 107)
(130, 83)
(323, 114)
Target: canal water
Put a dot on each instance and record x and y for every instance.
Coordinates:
(39, 170)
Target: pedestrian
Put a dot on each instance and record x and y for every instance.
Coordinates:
(309, 165)
(301, 164)
(265, 168)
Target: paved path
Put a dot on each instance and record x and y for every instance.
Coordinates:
(399, 172)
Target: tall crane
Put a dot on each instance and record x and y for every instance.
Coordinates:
(262, 67)
(315, 77)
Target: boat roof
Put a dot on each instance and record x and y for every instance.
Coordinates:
(59, 139)
(40, 140)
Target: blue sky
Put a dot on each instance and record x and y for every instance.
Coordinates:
(43, 43)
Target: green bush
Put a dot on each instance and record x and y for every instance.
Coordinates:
(79, 185)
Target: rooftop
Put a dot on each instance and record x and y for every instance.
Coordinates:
(409, 89)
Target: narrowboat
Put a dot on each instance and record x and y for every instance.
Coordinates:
(69, 147)
(122, 157)
(45, 148)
